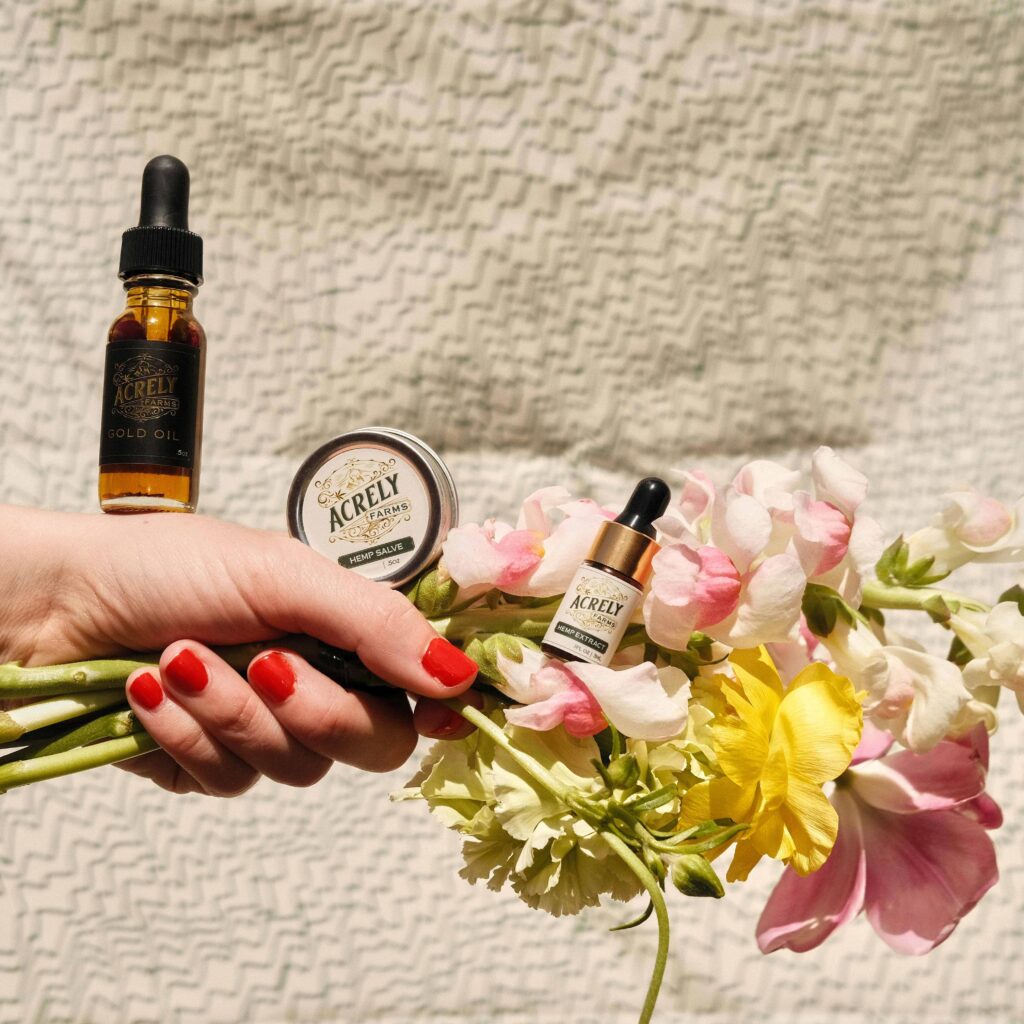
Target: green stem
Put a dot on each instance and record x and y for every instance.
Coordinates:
(17, 681)
(53, 766)
(497, 734)
(76, 677)
(880, 595)
(106, 727)
(637, 866)
(530, 623)
(29, 717)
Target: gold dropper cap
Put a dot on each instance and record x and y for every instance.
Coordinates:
(624, 550)
(627, 544)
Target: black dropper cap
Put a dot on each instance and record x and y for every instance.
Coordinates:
(647, 503)
(162, 243)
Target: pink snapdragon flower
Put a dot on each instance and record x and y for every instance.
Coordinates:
(735, 564)
(536, 558)
(970, 528)
(641, 701)
(912, 849)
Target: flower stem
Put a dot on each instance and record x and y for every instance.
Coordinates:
(637, 866)
(881, 595)
(497, 734)
(118, 723)
(529, 623)
(18, 721)
(76, 677)
(53, 766)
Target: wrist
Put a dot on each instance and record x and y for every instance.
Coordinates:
(35, 548)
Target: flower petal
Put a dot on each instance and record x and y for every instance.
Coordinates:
(741, 528)
(769, 608)
(564, 550)
(523, 681)
(573, 708)
(823, 534)
(938, 695)
(837, 482)
(634, 700)
(770, 484)
(821, 704)
(703, 584)
(471, 558)
(533, 515)
(803, 911)
(905, 782)
(925, 872)
(874, 742)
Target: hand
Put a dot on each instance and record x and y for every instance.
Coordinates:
(80, 586)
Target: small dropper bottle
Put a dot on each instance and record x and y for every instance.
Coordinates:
(151, 431)
(599, 603)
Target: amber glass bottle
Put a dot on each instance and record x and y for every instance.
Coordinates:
(151, 431)
(159, 309)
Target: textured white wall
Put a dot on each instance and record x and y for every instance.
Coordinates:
(561, 241)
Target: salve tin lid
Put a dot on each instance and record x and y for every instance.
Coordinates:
(376, 500)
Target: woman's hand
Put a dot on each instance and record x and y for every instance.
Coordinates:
(80, 586)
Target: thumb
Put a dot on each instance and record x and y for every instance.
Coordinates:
(307, 593)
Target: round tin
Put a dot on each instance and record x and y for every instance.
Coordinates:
(377, 501)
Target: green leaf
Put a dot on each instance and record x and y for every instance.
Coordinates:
(1015, 594)
(636, 920)
(937, 608)
(884, 569)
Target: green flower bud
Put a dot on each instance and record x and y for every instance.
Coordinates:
(693, 875)
(654, 863)
(432, 596)
(485, 652)
(623, 772)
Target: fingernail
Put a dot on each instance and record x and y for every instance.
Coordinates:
(187, 672)
(272, 677)
(438, 721)
(447, 664)
(146, 690)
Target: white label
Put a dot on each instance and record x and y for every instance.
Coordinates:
(593, 616)
(368, 509)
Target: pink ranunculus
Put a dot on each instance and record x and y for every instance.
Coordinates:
(536, 558)
(912, 849)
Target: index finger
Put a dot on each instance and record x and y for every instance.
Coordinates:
(383, 628)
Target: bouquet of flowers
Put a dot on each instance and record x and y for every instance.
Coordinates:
(760, 705)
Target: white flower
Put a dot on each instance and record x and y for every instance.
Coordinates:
(516, 831)
(999, 649)
(915, 695)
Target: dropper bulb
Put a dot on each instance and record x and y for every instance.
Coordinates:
(165, 185)
(647, 503)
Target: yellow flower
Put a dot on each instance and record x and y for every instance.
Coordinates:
(776, 748)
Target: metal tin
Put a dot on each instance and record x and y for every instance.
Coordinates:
(377, 501)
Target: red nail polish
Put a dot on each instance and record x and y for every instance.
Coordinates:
(146, 690)
(438, 721)
(187, 672)
(447, 664)
(272, 676)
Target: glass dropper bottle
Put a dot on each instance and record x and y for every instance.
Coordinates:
(599, 604)
(151, 432)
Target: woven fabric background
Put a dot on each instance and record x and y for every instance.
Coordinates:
(562, 241)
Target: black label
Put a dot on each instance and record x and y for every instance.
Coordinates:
(150, 404)
(395, 547)
(595, 644)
